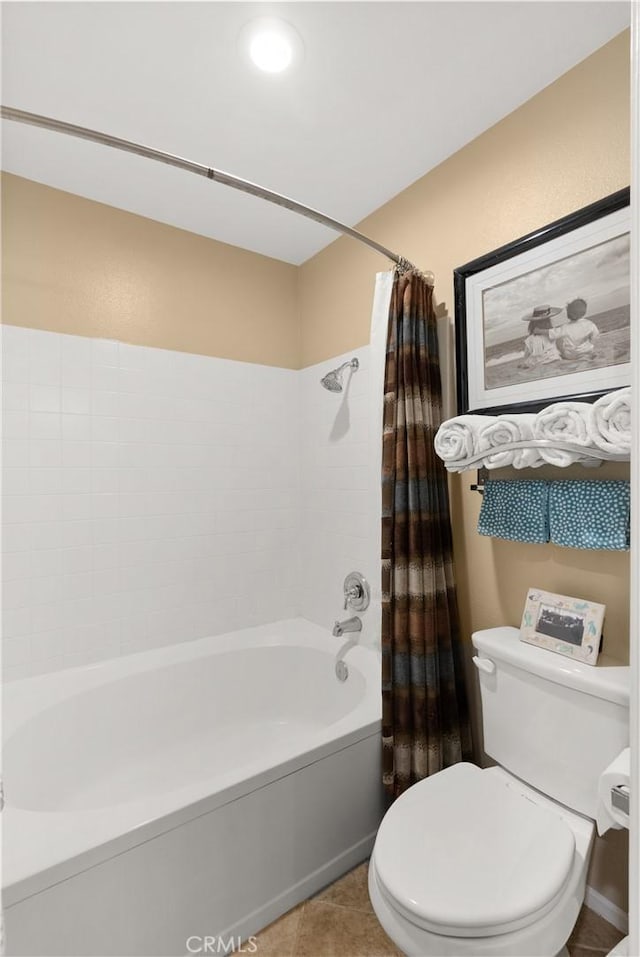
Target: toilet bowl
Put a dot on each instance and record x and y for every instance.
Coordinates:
(472, 862)
(493, 863)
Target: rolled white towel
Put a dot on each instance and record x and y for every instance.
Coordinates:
(610, 421)
(564, 422)
(502, 430)
(457, 438)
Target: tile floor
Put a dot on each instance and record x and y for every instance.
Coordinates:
(340, 922)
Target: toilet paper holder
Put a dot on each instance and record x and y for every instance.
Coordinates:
(620, 798)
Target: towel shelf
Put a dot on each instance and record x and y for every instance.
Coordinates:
(586, 451)
(478, 485)
(562, 434)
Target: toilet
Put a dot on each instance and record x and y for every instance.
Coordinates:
(494, 862)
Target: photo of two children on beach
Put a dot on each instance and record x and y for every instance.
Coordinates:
(567, 317)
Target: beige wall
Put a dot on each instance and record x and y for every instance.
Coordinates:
(72, 265)
(565, 148)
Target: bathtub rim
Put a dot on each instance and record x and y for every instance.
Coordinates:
(24, 698)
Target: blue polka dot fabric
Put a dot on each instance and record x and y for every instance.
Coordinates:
(590, 514)
(516, 510)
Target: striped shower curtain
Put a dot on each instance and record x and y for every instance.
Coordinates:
(425, 719)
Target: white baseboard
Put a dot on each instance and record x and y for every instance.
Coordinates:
(601, 905)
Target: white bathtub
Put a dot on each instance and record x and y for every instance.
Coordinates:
(197, 790)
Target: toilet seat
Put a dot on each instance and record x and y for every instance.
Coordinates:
(462, 855)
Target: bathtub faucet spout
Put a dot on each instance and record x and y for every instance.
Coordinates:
(341, 628)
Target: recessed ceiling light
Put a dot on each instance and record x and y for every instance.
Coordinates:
(270, 51)
(272, 45)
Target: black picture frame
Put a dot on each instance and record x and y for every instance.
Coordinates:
(566, 233)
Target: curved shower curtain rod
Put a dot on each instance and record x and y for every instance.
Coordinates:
(226, 179)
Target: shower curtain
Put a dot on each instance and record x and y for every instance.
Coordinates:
(425, 719)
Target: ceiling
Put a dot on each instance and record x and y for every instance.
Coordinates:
(385, 91)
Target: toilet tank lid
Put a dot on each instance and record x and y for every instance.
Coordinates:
(608, 679)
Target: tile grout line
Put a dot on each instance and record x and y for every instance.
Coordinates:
(356, 910)
(296, 936)
(294, 949)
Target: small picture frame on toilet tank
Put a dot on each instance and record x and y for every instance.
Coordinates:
(568, 626)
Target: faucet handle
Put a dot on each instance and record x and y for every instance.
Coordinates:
(352, 594)
(356, 592)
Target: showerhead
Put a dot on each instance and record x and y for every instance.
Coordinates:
(333, 380)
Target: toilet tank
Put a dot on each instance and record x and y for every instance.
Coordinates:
(553, 722)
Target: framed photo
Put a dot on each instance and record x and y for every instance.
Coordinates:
(547, 317)
(568, 626)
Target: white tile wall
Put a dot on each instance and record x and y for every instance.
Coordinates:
(149, 497)
(339, 518)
